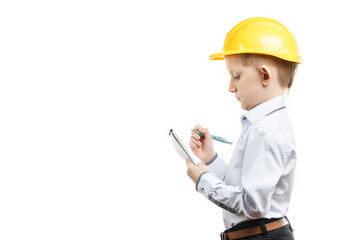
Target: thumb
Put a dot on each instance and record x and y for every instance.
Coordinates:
(206, 133)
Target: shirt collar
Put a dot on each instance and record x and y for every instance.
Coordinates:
(265, 108)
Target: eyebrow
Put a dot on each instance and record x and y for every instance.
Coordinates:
(235, 73)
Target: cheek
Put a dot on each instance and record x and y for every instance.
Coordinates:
(244, 88)
(253, 86)
(241, 86)
(249, 91)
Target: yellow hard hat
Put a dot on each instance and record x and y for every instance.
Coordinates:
(260, 35)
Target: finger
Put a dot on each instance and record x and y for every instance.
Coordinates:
(195, 135)
(197, 127)
(188, 162)
(200, 164)
(194, 138)
(193, 146)
(198, 143)
(189, 165)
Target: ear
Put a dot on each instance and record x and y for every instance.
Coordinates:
(266, 75)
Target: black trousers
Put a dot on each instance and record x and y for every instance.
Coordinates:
(283, 233)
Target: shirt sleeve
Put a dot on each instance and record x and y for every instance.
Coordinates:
(217, 167)
(263, 166)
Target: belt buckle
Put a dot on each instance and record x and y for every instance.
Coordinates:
(223, 236)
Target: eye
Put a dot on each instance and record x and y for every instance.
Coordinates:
(237, 77)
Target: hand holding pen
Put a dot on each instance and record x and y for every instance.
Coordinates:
(202, 146)
(217, 138)
(201, 143)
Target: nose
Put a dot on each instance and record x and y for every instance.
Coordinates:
(232, 88)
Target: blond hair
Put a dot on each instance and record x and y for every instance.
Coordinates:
(286, 69)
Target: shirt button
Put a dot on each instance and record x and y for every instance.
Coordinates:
(202, 190)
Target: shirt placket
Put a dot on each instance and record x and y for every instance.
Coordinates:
(233, 176)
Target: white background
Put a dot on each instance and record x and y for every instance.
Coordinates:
(90, 89)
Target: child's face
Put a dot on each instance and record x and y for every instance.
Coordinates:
(246, 82)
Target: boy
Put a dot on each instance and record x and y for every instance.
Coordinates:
(254, 191)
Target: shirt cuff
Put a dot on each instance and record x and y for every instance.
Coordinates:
(197, 183)
(205, 183)
(212, 160)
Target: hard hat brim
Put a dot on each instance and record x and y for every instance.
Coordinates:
(289, 57)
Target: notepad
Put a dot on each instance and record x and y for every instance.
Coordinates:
(179, 147)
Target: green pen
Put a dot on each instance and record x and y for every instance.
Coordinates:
(220, 139)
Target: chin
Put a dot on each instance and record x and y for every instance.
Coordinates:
(245, 107)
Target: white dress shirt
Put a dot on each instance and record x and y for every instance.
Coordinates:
(258, 181)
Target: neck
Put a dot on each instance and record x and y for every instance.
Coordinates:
(273, 94)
